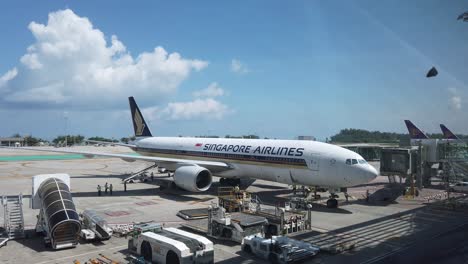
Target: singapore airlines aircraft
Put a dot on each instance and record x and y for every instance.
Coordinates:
(293, 162)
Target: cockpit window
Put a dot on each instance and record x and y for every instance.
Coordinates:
(348, 161)
(361, 161)
(354, 161)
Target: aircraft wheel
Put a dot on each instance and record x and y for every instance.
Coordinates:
(332, 203)
(247, 249)
(146, 251)
(273, 258)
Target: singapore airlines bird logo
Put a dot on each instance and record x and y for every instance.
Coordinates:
(139, 123)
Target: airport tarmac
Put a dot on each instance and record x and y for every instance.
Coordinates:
(378, 228)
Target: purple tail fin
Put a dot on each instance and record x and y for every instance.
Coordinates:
(447, 133)
(415, 133)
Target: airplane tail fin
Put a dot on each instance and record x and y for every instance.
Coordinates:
(447, 133)
(139, 125)
(415, 133)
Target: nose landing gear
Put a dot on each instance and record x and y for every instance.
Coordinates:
(332, 202)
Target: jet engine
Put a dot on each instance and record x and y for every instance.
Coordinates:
(193, 178)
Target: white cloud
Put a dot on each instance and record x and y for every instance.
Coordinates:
(199, 108)
(8, 76)
(238, 67)
(36, 95)
(213, 90)
(208, 108)
(72, 63)
(30, 60)
(456, 102)
(455, 99)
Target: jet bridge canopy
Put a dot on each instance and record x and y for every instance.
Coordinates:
(57, 203)
(58, 210)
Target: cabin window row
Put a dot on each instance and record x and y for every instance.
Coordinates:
(355, 161)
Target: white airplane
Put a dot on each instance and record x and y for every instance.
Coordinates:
(295, 162)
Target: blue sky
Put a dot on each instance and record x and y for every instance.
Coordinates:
(273, 68)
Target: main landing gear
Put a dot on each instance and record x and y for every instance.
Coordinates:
(229, 181)
(332, 202)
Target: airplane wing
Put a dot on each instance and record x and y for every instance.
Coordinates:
(216, 166)
(110, 143)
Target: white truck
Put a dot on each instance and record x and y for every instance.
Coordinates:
(279, 249)
(172, 246)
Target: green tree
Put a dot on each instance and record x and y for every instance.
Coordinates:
(32, 141)
(69, 139)
(103, 139)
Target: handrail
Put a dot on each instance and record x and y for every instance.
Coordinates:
(6, 221)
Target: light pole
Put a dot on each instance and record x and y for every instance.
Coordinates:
(65, 117)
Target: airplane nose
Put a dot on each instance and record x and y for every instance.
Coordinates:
(372, 173)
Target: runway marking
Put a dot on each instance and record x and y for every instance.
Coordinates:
(145, 203)
(87, 253)
(117, 213)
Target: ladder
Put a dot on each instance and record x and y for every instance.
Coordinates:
(13, 216)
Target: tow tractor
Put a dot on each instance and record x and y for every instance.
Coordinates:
(169, 245)
(279, 249)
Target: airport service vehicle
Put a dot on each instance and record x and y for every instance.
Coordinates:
(87, 235)
(279, 249)
(459, 187)
(94, 226)
(170, 245)
(228, 226)
(195, 160)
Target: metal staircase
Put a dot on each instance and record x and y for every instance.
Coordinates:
(13, 216)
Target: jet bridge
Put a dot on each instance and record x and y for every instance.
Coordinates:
(58, 219)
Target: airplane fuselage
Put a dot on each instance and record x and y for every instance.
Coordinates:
(293, 162)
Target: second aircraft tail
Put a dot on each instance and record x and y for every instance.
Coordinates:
(414, 132)
(447, 133)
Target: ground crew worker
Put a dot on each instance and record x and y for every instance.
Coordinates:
(152, 176)
(367, 195)
(125, 186)
(106, 187)
(346, 196)
(110, 188)
(99, 190)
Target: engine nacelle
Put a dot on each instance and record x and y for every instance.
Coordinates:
(193, 178)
